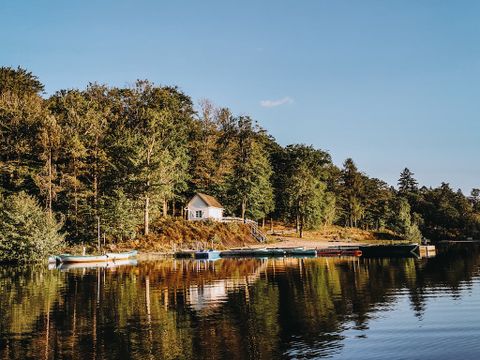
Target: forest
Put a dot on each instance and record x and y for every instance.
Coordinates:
(107, 161)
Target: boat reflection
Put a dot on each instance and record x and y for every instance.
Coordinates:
(93, 265)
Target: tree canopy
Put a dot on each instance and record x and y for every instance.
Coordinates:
(108, 160)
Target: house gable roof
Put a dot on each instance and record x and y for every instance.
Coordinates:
(209, 200)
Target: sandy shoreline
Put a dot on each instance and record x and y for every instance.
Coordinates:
(307, 243)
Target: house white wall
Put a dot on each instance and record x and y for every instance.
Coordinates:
(208, 212)
(215, 213)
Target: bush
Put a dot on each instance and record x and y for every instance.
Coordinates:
(27, 232)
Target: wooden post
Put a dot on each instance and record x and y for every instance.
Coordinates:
(99, 245)
(145, 215)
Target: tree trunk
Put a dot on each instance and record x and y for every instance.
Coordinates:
(244, 209)
(271, 225)
(165, 208)
(147, 199)
(301, 227)
(50, 187)
(75, 195)
(98, 233)
(145, 215)
(95, 190)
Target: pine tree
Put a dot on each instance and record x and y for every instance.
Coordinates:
(406, 182)
(353, 192)
(250, 186)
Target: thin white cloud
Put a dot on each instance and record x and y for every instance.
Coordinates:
(275, 103)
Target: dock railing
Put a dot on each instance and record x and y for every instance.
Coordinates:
(255, 231)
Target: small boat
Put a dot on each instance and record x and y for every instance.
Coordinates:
(67, 258)
(122, 256)
(351, 252)
(329, 252)
(340, 251)
(94, 265)
(300, 252)
(207, 254)
(254, 252)
(184, 254)
(276, 252)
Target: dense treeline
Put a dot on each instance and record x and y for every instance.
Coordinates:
(105, 161)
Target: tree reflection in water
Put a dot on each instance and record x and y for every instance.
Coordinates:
(235, 309)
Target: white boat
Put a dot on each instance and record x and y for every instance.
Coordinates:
(67, 258)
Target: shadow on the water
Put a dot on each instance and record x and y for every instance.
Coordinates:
(231, 308)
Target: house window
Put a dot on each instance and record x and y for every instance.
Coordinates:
(199, 214)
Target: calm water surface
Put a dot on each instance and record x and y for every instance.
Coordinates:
(246, 309)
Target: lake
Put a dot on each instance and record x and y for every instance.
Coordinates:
(288, 308)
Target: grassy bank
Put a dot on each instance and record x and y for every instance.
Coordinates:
(170, 234)
(175, 233)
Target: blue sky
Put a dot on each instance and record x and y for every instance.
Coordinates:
(388, 83)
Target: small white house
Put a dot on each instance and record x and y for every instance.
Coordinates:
(203, 207)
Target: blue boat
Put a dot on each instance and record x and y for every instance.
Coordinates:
(207, 254)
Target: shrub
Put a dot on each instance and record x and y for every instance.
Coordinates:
(27, 232)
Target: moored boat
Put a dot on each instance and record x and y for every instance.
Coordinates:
(275, 252)
(207, 254)
(340, 251)
(254, 252)
(122, 256)
(68, 258)
(94, 265)
(300, 252)
(329, 252)
(269, 252)
(352, 252)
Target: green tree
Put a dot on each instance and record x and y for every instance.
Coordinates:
(353, 192)
(250, 187)
(377, 199)
(21, 117)
(27, 232)
(83, 118)
(309, 204)
(406, 182)
(151, 139)
(211, 149)
(120, 216)
(19, 81)
(48, 145)
(402, 222)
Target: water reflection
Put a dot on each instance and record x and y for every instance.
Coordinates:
(245, 308)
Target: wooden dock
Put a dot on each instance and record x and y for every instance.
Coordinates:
(427, 251)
